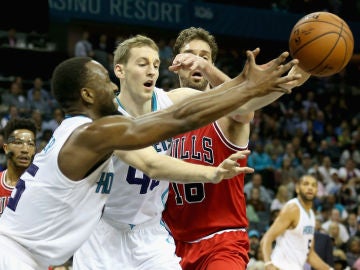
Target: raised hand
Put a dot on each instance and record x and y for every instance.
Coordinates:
(269, 77)
(188, 61)
(230, 167)
(296, 70)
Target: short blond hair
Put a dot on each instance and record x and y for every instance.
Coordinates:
(122, 51)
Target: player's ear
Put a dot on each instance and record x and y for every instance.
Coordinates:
(119, 71)
(87, 94)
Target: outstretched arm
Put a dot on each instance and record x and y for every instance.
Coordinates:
(163, 167)
(216, 77)
(95, 141)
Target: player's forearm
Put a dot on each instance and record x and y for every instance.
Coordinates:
(176, 170)
(214, 75)
(266, 248)
(187, 115)
(257, 103)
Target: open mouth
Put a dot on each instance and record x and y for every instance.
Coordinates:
(197, 75)
(148, 84)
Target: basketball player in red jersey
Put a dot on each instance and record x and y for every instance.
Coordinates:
(207, 221)
(20, 148)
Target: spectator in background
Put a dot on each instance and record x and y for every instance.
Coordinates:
(351, 151)
(326, 170)
(310, 102)
(57, 117)
(256, 181)
(15, 97)
(12, 113)
(351, 224)
(254, 238)
(349, 171)
(103, 52)
(255, 200)
(84, 47)
(282, 196)
(38, 84)
(335, 219)
(10, 40)
(263, 164)
(286, 175)
(353, 251)
(304, 166)
(39, 103)
(334, 232)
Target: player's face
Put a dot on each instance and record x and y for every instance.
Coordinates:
(194, 79)
(139, 75)
(307, 188)
(22, 145)
(105, 89)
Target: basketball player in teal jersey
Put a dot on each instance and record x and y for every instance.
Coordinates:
(293, 231)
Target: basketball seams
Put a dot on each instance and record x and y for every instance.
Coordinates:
(312, 40)
(326, 56)
(319, 21)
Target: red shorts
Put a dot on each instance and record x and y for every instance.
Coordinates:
(228, 250)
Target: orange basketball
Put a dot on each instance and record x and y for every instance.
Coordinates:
(322, 42)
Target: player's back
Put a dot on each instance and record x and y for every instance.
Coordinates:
(197, 210)
(50, 215)
(135, 197)
(292, 247)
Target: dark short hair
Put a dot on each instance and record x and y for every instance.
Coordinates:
(192, 33)
(67, 80)
(19, 123)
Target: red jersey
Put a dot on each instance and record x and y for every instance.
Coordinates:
(5, 191)
(196, 210)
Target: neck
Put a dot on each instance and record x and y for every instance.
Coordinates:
(13, 174)
(135, 107)
(307, 205)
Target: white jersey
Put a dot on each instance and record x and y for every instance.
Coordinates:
(130, 234)
(49, 216)
(136, 198)
(292, 247)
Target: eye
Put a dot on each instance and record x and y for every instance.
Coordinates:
(18, 142)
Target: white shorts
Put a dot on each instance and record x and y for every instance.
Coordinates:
(144, 247)
(14, 256)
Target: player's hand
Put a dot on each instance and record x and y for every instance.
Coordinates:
(188, 61)
(230, 167)
(304, 77)
(264, 80)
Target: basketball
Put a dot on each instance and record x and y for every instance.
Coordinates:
(322, 42)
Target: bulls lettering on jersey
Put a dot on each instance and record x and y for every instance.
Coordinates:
(199, 203)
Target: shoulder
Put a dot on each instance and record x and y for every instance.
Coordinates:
(291, 211)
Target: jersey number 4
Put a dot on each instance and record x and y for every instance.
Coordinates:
(144, 182)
